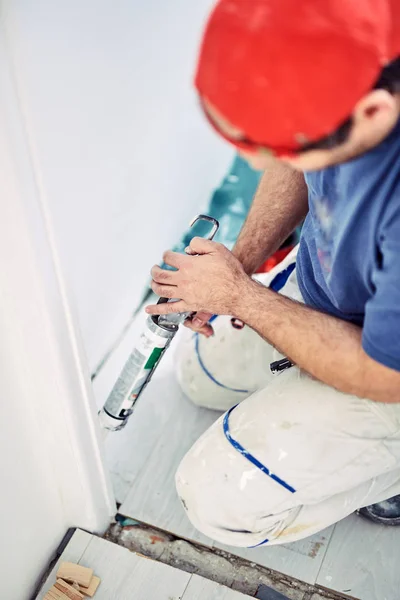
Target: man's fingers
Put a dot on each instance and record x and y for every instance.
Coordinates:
(174, 259)
(165, 291)
(163, 275)
(200, 245)
(206, 329)
(201, 318)
(199, 323)
(167, 308)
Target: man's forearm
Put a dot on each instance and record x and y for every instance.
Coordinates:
(278, 207)
(327, 348)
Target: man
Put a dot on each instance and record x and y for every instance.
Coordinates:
(317, 86)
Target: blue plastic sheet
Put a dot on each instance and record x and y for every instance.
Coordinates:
(229, 203)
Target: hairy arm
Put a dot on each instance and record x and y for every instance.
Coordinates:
(327, 348)
(279, 205)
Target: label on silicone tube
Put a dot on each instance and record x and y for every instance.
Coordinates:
(142, 361)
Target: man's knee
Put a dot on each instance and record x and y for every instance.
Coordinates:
(297, 443)
(221, 371)
(226, 497)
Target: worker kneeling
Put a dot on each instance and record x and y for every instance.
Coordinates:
(309, 92)
(294, 456)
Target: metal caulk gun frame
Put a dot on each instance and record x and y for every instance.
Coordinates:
(156, 337)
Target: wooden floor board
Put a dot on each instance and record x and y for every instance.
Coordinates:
(125, 575)
(362, 560)
(152, 497)
(127, 450)
(72, 553)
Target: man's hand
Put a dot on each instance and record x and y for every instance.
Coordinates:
(280, 204)
(209, 283)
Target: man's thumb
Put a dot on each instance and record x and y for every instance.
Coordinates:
(200, 245)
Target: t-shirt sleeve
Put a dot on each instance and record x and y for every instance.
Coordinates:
(381, 330)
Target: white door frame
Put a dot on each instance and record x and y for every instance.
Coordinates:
(40, 333)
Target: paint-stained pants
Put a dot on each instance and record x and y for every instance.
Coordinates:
(294, 455)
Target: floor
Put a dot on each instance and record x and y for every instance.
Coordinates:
(126, 576)
(354, 557)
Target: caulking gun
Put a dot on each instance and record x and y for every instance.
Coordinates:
(158, 333)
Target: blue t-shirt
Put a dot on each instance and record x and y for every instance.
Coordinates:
(348, 263)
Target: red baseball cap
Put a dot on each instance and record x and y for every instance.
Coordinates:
(287, 72)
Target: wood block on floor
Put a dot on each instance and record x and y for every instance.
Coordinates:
(91, 590)
(127, 576)
(54, 594)
(71, 572)
(73, 552)
(68, 590)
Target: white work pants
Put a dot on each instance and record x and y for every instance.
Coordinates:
(293, 457)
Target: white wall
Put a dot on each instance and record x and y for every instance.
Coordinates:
(120, 147)
(103, 160)
(51, 465)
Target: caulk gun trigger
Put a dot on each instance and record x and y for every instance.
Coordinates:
(215, 223)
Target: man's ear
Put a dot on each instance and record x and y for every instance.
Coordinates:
(375, 114)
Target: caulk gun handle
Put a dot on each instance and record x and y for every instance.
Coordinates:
(183, 316)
